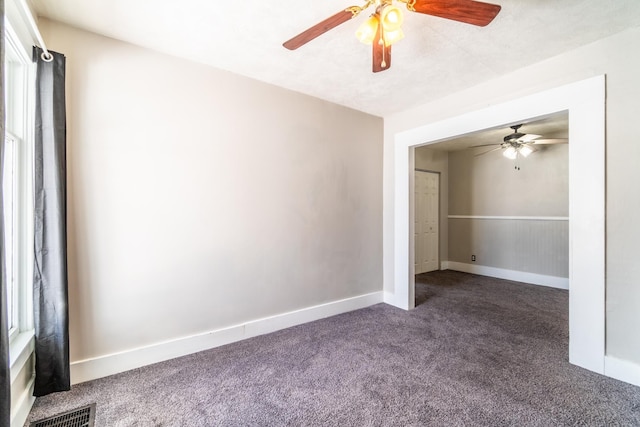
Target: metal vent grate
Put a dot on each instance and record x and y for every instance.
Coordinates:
(81, 417)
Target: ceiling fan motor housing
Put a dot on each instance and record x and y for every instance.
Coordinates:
(513, 137)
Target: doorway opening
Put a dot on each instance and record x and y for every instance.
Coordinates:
(585, 103)
(502, 217)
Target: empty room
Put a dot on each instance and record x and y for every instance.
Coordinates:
(401, 212)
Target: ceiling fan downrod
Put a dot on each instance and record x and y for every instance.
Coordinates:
(512, 138)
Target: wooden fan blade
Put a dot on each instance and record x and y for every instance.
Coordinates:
(320, 28)
(467, 11)
(381, 53)
(550, 141)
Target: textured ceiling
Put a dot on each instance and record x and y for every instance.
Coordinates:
(435, 58)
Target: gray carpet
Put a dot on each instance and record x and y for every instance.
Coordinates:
(476, 351)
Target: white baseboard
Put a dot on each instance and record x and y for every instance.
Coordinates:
(500, 273)
(622, 370)
(102, 366)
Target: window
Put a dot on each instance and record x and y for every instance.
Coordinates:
(17, 189)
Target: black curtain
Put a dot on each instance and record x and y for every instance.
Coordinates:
(5, 374)
(51, 313)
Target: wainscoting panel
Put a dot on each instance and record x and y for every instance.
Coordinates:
(537, 245)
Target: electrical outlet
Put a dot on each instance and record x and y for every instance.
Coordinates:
(473, 258)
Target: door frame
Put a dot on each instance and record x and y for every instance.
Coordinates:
(585, 103)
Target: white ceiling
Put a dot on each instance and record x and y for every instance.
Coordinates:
(436, 57)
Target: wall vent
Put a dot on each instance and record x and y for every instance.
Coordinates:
(81, 417)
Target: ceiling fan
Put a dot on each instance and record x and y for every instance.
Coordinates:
(383, 28)
(521, 144)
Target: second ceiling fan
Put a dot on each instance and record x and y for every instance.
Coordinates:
(518, 144)
(383, 28)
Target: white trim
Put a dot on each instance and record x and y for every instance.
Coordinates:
(517, 276)
(20, 352)
(388, 298)
(20, 349)
(21, 406)
(33, 29)
(517, 218)
(585, 102)
(622, 370)
(17, 17)
(19, 41)
(109, 364)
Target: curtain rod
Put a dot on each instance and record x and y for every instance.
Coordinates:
(46, 55)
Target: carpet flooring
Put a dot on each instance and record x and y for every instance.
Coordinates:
(476, 351)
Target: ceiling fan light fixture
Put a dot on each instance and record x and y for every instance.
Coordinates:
(510, 153)
(391, 18)
(390, 37)
(367, 30)
(525, 150)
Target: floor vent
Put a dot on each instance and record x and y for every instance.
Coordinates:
(81, 417)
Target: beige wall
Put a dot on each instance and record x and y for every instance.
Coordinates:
(611, 57)
(200, 199)
(489, 184)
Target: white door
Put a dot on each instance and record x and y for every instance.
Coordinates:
(427, 196)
